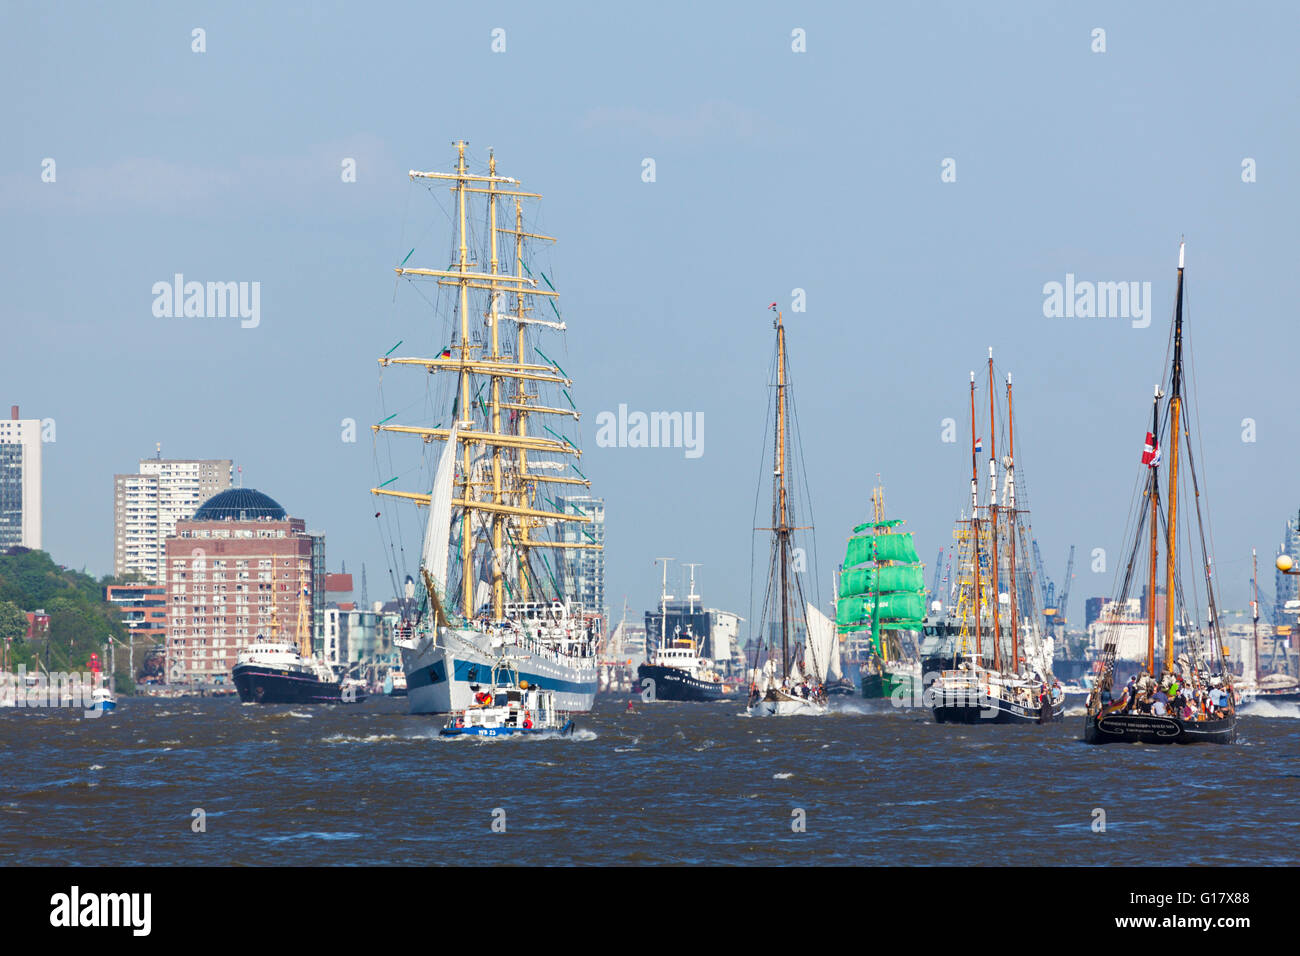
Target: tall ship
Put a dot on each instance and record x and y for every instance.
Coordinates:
(495, 561)
(675, 670)
(881, 605)
(273, 670)
(794, 640)
(1184, 693)
(991, 660)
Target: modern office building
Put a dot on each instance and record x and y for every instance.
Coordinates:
(20, 481)
(148, 505)
(583, 569)
(233, 572)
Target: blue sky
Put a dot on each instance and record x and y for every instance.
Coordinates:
(776, 170)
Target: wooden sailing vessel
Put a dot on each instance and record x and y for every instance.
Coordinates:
(989, 660)
(501, 405)
(1179, 698)
(789, 684)
(881, 605)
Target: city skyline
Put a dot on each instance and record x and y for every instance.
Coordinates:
(906, 270)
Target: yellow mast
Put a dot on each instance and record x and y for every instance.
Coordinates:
(1175, 426)
(1153, 515)
(1011, 531)
(303, 628)
(993, 524)
(878, 516)
(975, 519)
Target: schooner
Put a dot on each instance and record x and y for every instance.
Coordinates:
(497, 514)
(791, 683)
(989, 661)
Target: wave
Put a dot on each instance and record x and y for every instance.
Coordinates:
(1268, 708)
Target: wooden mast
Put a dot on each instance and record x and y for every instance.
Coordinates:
(993, 524)
(1153, 515)
(1175, 426)
(782, 523)
(498, 519)
(975, 520)
(463, 409)
(1011, 531)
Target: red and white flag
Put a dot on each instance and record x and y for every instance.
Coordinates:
(772, 306)
(1151, 451)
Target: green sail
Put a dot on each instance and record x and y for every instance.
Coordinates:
(881, 547)
(866, 581)
(904, 611)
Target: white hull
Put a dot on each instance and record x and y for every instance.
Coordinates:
(439, 680)
(787, 707)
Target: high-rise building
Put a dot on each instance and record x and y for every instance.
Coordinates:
(148, 505)
(583, 569)
(234, 571)
(20, 481)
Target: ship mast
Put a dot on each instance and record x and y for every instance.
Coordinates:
(993, 523)
(975, 520)
(782, 522)
(1175, 425)
(507, 492)
(1011, 531)
(1153, 515)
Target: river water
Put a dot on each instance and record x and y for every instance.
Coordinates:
(212, 781)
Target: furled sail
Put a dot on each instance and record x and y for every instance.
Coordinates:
(881, 547)
(821, 643)
(437, 533)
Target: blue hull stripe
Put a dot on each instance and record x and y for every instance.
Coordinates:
(472, 673)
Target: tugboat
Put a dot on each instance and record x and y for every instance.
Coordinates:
(676, 671)
(509, 707)
(787, 680)
(281, 672)
(1177, 699)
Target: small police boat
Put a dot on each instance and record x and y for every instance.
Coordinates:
(508, 707)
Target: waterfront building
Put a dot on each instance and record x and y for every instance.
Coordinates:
(233, 572)
(583, 569)
(147, 506)
(20, 481)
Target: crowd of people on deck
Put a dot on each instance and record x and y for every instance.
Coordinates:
(1169, 697)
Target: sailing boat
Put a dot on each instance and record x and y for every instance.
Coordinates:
(1179, 698)
(489, 502)
(790, 684)
(882, 604)
(992, 662)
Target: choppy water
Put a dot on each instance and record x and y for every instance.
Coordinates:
(673, 783)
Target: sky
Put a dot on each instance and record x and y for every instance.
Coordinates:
(920, 171)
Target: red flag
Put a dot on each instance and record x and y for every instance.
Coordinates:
(772, 306)
(1151, 451)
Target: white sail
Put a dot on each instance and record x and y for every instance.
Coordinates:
(821, 644)
(437, 534)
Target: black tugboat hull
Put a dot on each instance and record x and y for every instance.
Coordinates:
(671, 683)
(265, 685)
(998, 712)
(1148, 729)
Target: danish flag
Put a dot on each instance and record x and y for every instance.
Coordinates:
(1151, 451)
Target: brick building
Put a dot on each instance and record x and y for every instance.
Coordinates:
(233, 573)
